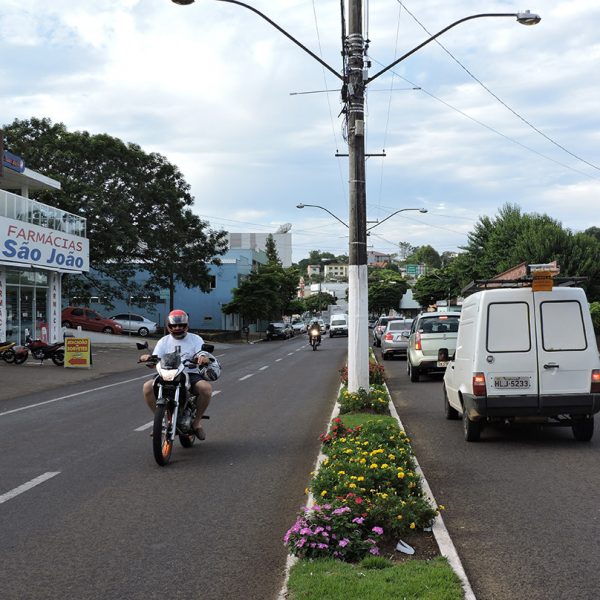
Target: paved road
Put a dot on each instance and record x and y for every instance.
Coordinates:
(523, 505)
(109, 523)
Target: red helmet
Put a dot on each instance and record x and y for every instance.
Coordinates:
(177, 323)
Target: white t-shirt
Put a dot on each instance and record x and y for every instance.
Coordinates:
(188, 347)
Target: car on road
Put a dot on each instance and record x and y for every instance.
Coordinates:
(88, 319)
(299, 327)
(338, 325)
(394, 341)
(431, 343)
(136, 324)
(379, 328)
(278, 331)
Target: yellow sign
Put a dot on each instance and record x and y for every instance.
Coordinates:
(542, 281)
(78, 353)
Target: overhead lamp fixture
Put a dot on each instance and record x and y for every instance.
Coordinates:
(525, 18)
(183, 2)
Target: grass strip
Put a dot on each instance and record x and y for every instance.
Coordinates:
(328, 579)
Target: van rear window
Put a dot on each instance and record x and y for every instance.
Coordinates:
(508, 327)
(562, 326)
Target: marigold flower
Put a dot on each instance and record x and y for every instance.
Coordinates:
(324, 493)
(412, 525)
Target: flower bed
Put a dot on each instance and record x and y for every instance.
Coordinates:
(367, 490)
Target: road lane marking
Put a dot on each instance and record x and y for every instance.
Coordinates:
(263, 368)
(102, 387)
(27, 486)
(290, 354)
(149, 424)
(245, 377)
(278, 359)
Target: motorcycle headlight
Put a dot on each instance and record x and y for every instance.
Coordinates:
(168, 374)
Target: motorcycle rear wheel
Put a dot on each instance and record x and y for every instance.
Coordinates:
(19, 359)
(8, 355)
(58, 358)
(162, 445)
(187, 440)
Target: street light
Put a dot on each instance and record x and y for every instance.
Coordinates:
(377, 223)
(354, 84)
(322, 208)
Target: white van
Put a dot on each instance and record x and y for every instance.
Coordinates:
(528, 354)
(338, 325)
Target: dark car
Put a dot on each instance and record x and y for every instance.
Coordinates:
(86, 318)
(278, 331)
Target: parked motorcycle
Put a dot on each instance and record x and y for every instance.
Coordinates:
(175, 406)
(11, 353)
(314, 338)
(42, 350)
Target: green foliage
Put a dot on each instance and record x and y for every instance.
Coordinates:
(595, 312)
(386, 288)
(271, 251)
(376, 373)
(374, 400)
(319, 302)
(425, 255)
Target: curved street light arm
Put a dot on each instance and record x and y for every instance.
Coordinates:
(421, 210)
(254, 10)
(519, 16)
(301, 205)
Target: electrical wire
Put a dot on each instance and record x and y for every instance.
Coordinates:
(487, 89)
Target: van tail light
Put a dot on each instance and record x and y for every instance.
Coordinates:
(478, 384)
(418, 341)
(388, 336)
(595, 387)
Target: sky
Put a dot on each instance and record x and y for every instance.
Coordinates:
(497, 113)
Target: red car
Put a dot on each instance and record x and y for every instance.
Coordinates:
(75, 316)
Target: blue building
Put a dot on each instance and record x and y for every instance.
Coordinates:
(204, 308)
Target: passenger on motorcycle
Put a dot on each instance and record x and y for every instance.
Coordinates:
(189, 345)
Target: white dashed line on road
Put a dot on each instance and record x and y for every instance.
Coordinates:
(27, 486)
(245, 377)
(263, 368)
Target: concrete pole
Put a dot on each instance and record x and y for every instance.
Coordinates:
(358, 341)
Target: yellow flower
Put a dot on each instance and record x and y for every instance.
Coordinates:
(352, 485)
(361, 478)
(400, 475)
(362, 461)
(385, 466)
(341, 472)
(412, 525)
(441, 507)
(324, 493)
(374, 466)
(399, 517)
(391, 457)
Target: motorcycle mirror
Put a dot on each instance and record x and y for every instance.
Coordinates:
(208, 348)
(141, 346)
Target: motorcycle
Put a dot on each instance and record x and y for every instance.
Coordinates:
(42, 350)
(175, 406)
(314, 338)
(11, 353)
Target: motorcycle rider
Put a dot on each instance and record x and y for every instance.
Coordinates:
(188, 344)
(315, 326)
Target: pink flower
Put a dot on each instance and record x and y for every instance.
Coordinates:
(343, 543)
(377, 530)
(358, 520)
(374, 550)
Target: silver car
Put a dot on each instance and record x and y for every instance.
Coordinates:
(135, 324)
(432, 343)
(379, 328)
(394, 341)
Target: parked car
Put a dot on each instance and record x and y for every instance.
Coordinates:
(323, 326)
(86, 318)
(378, 329)
(394, 341)
(525, 354)
(135, 323)
(338, 325)
(299, 327)
(278, 331)
(431, 343)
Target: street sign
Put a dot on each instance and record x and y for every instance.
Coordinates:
(412, 269)
(163, 294)
(78, 353)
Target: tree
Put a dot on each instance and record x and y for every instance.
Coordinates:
(271, 251)
(136, 205)
(319, 302)
(426, 255)
(386, 288)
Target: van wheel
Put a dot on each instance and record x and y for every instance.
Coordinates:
(583, 429)
(451, 413)
(471, 429)
(413, 372)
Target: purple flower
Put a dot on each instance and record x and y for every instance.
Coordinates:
(374, 550)
(341, 511)
(323, 546)
(358, 520)
(343, 543)
(377, 530)
(300, 542)
(306, 531)
(318, 529)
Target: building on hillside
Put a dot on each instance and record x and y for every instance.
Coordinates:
(258, 241)
(374, 257)
(38, 244)
(336, 272)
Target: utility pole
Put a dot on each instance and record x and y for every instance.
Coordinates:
(354, 92)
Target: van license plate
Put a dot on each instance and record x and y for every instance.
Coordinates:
(442, 363)
(512, 382)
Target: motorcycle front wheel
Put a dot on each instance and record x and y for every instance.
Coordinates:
(8, 355)
(20, 358)
(58, 358)
(162, 444)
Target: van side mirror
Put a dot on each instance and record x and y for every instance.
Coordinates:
(208, 348)
(141, 346)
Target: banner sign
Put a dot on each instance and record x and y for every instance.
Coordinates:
(12, 161)
(35, 246)
(78, 353)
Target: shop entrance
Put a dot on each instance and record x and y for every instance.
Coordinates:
(26, 305)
